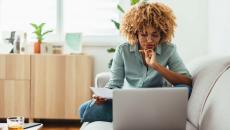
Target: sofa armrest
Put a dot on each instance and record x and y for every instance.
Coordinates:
(102, 79)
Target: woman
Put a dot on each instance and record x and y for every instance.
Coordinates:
(143, 61)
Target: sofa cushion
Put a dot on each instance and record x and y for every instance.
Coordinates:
(190, 126)
(102, 79)
(204, 78)
(97, 125)
(84, 125)
(216, 112)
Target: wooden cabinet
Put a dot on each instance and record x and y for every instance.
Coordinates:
(59, 85)
(15, 67)
(14, 85)
(44, 86)
(14, 98)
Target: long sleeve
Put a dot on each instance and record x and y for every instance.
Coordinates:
(176, 64)
(117, 70)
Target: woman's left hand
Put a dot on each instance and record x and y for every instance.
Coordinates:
(150, 57)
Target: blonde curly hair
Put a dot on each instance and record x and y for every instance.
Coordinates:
(137, 18)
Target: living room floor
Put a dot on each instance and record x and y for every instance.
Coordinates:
(61, 128)
(60, 124)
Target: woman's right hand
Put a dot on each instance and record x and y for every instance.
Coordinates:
(99, 100)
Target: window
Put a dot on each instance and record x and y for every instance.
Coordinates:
(18, 14)
(91, 17)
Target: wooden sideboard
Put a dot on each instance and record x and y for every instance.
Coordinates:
(44, 86)
(14, 85)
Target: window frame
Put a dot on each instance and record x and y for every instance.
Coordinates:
(87, 40)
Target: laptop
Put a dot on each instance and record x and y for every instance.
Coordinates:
(150, 109)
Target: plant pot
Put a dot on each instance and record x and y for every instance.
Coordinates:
(37, 47)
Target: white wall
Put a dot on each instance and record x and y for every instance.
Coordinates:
(219, 26)
(101, 57)
(191, 35)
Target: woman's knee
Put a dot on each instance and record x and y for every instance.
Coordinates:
(83, 107)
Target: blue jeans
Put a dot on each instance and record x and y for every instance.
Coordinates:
(90, 111)
(85, 106)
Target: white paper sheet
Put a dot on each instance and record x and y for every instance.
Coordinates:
(103, 92)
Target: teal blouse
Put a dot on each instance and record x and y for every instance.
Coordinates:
(128, 69)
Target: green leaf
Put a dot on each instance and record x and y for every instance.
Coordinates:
(111, 50)
(34, 25)
(39, 31)
(120, 8)
(40, 38)
(117, 25)
(41, 25)
(133, 2)
(49, 31)
(36, 33)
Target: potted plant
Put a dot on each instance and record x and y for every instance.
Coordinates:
(38, 31)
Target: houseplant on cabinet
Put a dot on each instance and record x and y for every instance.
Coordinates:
(38, 31)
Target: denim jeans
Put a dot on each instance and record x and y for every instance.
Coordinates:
(90, 111)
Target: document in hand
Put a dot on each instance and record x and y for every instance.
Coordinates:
(103, 92)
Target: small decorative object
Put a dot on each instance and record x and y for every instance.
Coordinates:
(57, 49)
(73, 42)
(17, 45)
(11, 39)
(40, 36)
(6, 42)
(23, 48)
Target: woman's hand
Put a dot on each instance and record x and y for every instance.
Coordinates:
(99, 100)
(150, 57)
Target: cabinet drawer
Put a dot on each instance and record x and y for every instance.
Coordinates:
(59, 84)
(15, 66)
(14, 98)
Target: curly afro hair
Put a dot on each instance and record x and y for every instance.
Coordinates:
(143, 14)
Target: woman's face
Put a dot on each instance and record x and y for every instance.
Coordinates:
(149, 38)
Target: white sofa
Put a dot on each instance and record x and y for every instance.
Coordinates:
(209, 104)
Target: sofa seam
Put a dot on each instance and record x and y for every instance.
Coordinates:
(212, 86)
